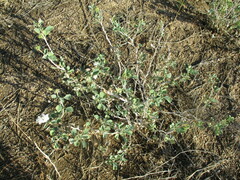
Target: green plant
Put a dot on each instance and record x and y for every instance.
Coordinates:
(47, 53)
(190, 72)
(225, 15)
(221, 125)
(181, 127)
(210, 98)
(117, 110)
(116, 159)
(120, 104)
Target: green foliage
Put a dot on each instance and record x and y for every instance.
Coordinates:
(214, 89)
(190, 73)
(80, 137)
(117, 110)
(120, 103)
(220, 126)
(182, 127)
(41, 31)
(54, 125)
(96, 12)
(117, 159)
(225, 15)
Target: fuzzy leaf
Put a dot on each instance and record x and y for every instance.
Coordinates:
(52, 132)
(37, 30)
(99, 106)
(51, 56)
(54, 96)
(47, 30)
(76, 143)
(102, 94)
(40, 36)
(40, 21)
(74, 131)
(168, 99)
(59, 108)
(68, 97)
(69, 109)
(84, 144)
(38, 48)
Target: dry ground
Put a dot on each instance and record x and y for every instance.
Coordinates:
(189, 39)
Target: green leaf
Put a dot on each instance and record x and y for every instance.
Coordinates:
(40, 21)
(54, 96)
(74, 131)
(69, 109)
(117, 136)
(105, 134)
(152, 91)
(71, 140)
(54, 115)
(59, 108)
(169, 75)
(97, 117)
(213, 100)
(230, 119)
(115, 166)
(47, 30)
(168, 99)
(102, 94)
(100, 106)
(37, 30)
(88, 124)
(57, 91)
(56, 145)
(51, 56)
(52, 132)
(40, 36)
(38, 48)
(68, 68)
(182, 128)
(68, 97)
(78, 93)
(64, 137)
(85, 136)
(119, 90)
(76, 143)
(236, 25)
(84, 144)
(169, 139)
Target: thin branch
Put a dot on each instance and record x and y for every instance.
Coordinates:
(49, 47)
(47, 157)
(105, 33)
(155, 173)
(111, 94)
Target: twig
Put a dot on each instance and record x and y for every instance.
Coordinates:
(154, 173)
(206, 169)
(47, 157)
(105, 33)
(109, 42)
(57, 66)
(148, 174)
(151, 62)
(111, 94)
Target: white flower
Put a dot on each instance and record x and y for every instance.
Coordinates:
(95, 76)
(43, 118)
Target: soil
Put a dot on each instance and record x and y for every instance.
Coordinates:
(189, 39)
